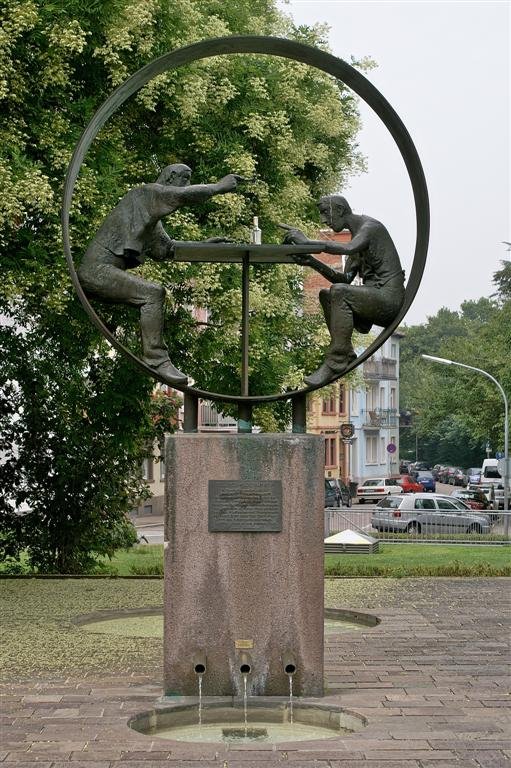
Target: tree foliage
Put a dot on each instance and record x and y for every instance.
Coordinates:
(457, 412)
(75, 430)
(289, 128)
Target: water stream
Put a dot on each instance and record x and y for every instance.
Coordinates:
(291, 699)
(200, 700)
(245, 704)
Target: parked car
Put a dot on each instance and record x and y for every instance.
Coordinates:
(427, 480)
(443, 474)
(459, 477)
(372, 490)
(337, 493)
(448, 475)
(437, 470)
(409, 484)
(418, 466)
(474, 499)
(488, 489)
(403, 466)
(490, 470)
(427, 513)
(474, 475)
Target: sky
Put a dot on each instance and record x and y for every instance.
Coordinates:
(445, 68)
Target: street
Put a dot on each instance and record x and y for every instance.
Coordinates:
(357, 517)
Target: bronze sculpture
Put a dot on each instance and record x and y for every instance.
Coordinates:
(373, 257)
(320, 60)
(132, 232)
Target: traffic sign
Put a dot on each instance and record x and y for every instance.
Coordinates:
(391, 448)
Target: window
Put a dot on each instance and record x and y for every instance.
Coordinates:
(162, 470)
(390, 502)
(444, 504)
(424, 504)
(148, 470)
(393, 351)
(330, 451)
(329, 404)
(393, 399)
(383, 452)
(342, 399)
(372, 483)
(371, 450)
(372, 398)
(382, 398)
(460, 504)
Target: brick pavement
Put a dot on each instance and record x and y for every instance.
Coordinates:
(431, 679)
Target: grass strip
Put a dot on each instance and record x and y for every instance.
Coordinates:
(392, 561)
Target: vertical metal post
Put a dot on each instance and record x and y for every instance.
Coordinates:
(191, 413)
(245, 319)
(300, 414)
(245, 418)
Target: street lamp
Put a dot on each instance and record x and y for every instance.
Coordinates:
(506, 419)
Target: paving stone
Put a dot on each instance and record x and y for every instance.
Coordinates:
(34, 757)
(142, 755)
(82, 764)
(96, 755)
(376, 763)
(41, 764)
(41, 698)
(488, 759)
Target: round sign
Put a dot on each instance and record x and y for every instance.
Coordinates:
(269, 46)
(391, 448)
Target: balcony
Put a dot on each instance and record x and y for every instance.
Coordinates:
(380, 370)
(212, 421)
(380, 418)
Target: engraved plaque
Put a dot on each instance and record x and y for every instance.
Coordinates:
(254, 506)
(243, 645)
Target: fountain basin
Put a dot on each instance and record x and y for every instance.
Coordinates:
(267, 722)
(148, 622)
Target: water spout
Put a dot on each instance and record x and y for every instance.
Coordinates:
(245, 663)
(289, 663)
(199, 663)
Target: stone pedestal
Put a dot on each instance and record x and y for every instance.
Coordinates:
(252, 596)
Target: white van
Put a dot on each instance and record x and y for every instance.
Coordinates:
(490, 470)
(490, 476)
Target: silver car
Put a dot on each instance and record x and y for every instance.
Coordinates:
(416, 513)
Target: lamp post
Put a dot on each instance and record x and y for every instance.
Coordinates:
(506, 421)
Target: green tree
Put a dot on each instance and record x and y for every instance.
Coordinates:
(73, 438)
(288, 127)
(456, 412)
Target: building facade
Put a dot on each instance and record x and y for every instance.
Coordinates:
(375, 415)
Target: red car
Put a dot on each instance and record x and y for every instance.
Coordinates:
(409, 484)
(474, 499)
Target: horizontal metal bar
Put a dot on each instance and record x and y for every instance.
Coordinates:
(234, 252)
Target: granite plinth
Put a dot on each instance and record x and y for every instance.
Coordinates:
(232, 593)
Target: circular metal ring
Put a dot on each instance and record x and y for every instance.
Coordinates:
(270, 46)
